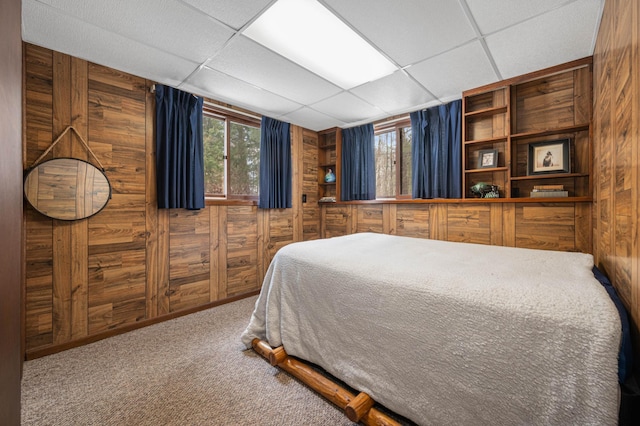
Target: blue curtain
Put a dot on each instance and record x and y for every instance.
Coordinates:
(275, 164)
(358, 174)
(436, 151)
(179, 161)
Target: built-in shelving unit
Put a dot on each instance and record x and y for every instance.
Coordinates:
(328, 152)
(513, 116)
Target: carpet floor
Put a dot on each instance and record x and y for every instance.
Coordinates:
(192, 370)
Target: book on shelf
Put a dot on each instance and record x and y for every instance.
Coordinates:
(549, 194)
(548, 187)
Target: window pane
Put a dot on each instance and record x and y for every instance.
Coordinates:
(385, 151)
(213, 139)
(244, 159)
(405, 167)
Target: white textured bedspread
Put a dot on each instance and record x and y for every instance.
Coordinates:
(449, 333)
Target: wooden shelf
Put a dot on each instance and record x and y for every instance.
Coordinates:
(549, 132)
(487, 111)
(510, 115)
(329, 144)
(549, 176)
(487, 141)
(487, 170)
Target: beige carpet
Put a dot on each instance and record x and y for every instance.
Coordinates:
(189, 371)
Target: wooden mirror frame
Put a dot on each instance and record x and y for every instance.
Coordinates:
(67, 189)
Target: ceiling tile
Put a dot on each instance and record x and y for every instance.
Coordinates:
(177, 29)
(556, 37)
(449, 74)
(310, 119)
(347, 108)
(219, 86)
(41, 25)
(251, 62)
(493, 15)
(394, 93)
(235, 13)
(408, 31)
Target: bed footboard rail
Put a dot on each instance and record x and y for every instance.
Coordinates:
(357, 408)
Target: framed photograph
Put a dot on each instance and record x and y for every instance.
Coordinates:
(487, 158)
(549, 157)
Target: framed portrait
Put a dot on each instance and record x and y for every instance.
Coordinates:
(487, 158)
(548, 157)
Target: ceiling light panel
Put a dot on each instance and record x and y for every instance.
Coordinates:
(249, 61)
(306, 32)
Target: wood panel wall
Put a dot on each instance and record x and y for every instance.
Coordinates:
(132, 264)
(616, 139)
(547, 226)
(10, 212)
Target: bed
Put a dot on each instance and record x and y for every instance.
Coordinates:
(448, 333)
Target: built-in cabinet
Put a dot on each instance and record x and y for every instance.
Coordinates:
(519, 122)
(329, 142)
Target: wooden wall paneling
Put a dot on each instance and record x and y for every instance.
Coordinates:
(389, 218)
(634, 308)
(188, 259)
(469, 223)
(336, 220)
(117, 235)
(311, 209)
(242, 249)
(297, 153)
(369, 218)
(438, 222)
(495, 227)
(163, 262)
(280, 230)
(413, 220)
(38, 69)
(263, 258)
(546, 226)
(583, 228)
(62, 230)
(117, 272)
(509, 224)
(214, 253)
(616, 135)
(222, 252)
(151, 206)
(623, 135)
(79, 82)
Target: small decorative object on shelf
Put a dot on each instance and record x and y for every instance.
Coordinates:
(327, 200)
(487, 158)
(330, 176)
(493, 193)
(549, 157)
(482, 190)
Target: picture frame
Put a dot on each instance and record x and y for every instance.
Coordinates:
(549, 157)
(487, 158)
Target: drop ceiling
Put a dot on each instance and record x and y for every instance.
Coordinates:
(439, 47)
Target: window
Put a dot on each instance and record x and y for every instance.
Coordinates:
(393, 177)
(231, 154)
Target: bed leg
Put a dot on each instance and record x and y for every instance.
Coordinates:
(360, 406)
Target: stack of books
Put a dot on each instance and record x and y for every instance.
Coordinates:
(547, 191)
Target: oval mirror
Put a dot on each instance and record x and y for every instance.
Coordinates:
(67, 189)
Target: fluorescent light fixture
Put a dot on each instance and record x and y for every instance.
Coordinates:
(310, 35)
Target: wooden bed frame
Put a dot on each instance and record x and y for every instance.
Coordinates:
(358, 408)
